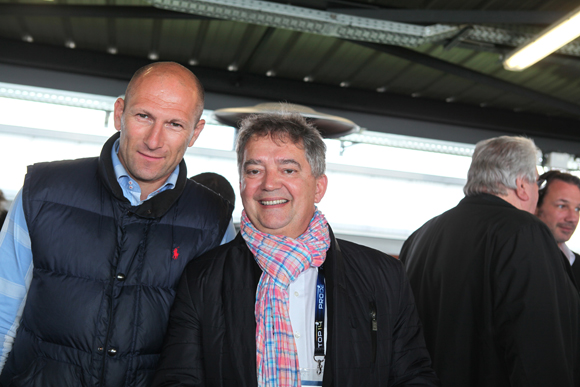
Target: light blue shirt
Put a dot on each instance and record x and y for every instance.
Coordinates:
(16, 256)
(15, 274)
(131, 189)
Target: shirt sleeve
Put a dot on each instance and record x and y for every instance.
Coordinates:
(230, 233)
(15, 274)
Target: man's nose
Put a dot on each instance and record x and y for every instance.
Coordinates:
(572, 216)
(271, 180)
(153, 139)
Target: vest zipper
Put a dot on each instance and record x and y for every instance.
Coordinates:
(106, 343)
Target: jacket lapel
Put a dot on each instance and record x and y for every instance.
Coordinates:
(334, 268)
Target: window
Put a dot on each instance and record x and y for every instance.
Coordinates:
(381, 186)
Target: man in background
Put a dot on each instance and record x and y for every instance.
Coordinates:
(491, 286)
(94, 248)
(220, 185)
(558, 206)
(286, 303)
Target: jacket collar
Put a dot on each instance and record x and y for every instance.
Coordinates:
(334, 263)
(485, 198)
(155, 207)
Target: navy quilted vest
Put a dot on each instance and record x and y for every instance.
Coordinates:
(105, 273)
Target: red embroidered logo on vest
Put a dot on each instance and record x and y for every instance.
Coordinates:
(175, 253)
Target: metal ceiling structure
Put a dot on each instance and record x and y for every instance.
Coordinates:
(428, 60)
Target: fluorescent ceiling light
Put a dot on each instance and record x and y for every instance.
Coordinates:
(57, 97)
(557, 35)
(408, 142)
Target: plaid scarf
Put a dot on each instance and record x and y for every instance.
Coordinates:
(282, 259)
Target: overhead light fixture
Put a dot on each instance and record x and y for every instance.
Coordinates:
(557, 35)
(57, 97)
(408, 142)
(328, 125)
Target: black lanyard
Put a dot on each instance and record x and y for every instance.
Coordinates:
(319, 307)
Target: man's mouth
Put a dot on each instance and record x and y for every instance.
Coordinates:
(567, 228)
(273, 202)
(150, 157)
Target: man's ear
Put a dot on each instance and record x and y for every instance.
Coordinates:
(521, 189)
(196, 132)
(321, 184)
(118, 112)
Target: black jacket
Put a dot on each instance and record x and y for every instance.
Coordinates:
(105, 273)
(576, 269)
(211, 335)
(495, 297)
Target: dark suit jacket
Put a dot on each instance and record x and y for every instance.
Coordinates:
(576, 269)
(495, 296)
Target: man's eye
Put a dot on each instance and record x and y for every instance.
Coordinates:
(141, 115)
(252, 171)
(289, 171)
(176, 125)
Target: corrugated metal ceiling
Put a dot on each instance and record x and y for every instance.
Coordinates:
(463, 71)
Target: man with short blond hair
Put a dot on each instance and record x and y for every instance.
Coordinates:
(94, 248)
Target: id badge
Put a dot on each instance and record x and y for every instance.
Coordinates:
(310, 377)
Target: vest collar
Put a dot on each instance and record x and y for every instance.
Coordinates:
(152, 208)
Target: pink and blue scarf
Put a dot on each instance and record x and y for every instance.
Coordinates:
(282, 259)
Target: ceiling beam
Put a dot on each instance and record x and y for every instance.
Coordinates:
(463, 72)
(96, 11)
(276, 89)
(418, 16)
(434, 16)
(428, 16)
